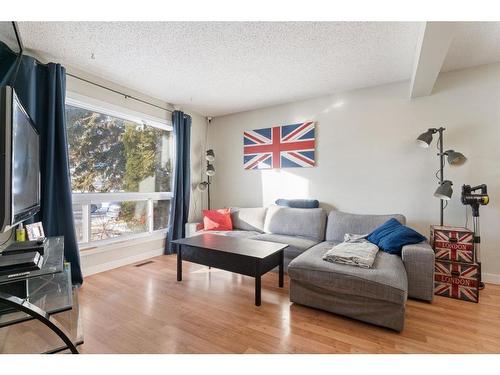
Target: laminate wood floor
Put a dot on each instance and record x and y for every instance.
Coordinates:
(145, 310)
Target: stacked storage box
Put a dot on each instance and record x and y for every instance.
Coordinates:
(456, 271)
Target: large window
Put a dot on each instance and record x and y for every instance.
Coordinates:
(121, 172)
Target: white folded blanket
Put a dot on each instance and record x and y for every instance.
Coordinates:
(356, 250)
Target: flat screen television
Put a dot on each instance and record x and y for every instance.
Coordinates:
(19, 163)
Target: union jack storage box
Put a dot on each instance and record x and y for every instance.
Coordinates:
(457, 280)
(454, 244)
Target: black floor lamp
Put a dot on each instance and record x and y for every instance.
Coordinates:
(210, 172)
(444, 190)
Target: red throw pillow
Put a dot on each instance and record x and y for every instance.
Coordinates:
(217, 219)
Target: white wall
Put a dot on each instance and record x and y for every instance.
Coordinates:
(367, 160)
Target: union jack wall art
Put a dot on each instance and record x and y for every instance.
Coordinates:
(287, 146)
(456, 280)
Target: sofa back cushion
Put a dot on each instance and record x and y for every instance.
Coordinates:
(249, 218)
(304, 222)
(340, 223)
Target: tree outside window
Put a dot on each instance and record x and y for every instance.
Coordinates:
(108, 154)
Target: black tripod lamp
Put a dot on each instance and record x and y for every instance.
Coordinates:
(210, 172)
(454, 158)
(473, 198)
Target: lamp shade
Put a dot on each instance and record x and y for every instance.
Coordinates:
(202, 186)
(210, 170)
(210, 156)
(424, 140)
(444, 191)
(455, 158)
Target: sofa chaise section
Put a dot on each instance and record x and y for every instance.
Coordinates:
(376, 295)
(418, 259)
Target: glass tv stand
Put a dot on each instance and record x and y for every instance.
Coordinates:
(44, 296)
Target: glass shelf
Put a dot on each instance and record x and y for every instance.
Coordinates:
(52, 293)
(50, 289)
(32, 336)
(52, 261)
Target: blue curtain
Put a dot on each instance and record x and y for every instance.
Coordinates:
(42, 90)
(179, 205)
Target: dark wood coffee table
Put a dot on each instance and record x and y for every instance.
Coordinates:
(240, 255)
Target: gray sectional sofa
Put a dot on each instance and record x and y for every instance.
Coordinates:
(377, 295)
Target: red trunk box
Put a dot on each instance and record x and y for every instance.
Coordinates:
(453, 244)
(457, 280)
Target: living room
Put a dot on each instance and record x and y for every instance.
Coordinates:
(227, 183)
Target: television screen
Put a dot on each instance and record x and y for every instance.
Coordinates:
(19, 162)
(25, 163)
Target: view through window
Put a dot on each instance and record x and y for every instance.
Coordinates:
(121, 173)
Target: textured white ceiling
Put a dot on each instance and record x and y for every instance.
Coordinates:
(218, 68)
(475, 43)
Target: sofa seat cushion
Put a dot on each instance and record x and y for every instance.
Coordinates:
(231, 233)
(386, 280)
(297, 245)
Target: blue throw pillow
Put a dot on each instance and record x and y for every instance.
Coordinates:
(298, 203)
(392, 236)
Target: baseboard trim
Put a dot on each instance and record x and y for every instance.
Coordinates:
(491, 278)
(87, 271)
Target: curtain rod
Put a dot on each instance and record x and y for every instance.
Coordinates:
(127, 96)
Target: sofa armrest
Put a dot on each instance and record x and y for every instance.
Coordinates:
(192, 228)
(418, 260)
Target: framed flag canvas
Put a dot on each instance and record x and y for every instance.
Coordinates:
(285, 146)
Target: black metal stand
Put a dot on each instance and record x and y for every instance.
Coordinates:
(441, 170)
(208, 191)
(477, 242)
(39, 314)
